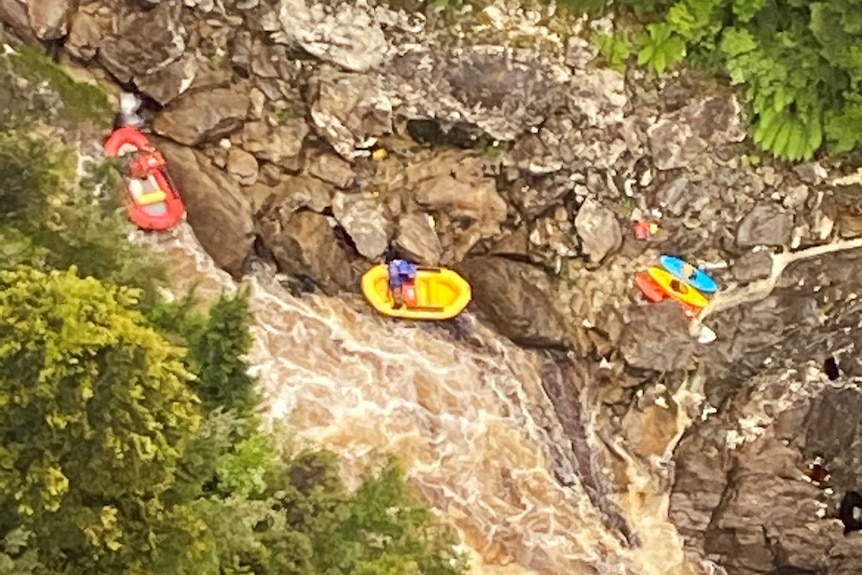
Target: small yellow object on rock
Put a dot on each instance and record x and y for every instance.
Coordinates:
(379, 154)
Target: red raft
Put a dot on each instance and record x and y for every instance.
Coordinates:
(151, 198)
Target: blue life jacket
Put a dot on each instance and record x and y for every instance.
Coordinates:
(400, 270)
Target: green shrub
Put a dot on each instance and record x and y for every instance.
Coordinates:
(95, 413)
(662, 49)
(614, 49)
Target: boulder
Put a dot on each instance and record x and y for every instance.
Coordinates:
(516, 298)
(349, 111)
(331, 168)
(204, 116)
(457, 185)
(767, 225)
(293, 193)
(305, 246)
(217, 209)
(242, 166)
(598, 229)
(146, 45)
(364, 221)
(280, 144)
(679, 138)
(85, 35)
(418, 239)
(346, 36)
(13, 13)
(166, 84)
(50, 18)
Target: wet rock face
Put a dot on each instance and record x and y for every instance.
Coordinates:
(657, 338)
(50, 18)
(760, 513)
(746, 494)
(502, 92)
(517, 299)
(587, 131)
(217, 209)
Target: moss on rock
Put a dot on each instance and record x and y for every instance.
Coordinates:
(75, 102)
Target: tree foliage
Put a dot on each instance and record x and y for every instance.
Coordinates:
(217, 343)
(800, 63)
(95, 413)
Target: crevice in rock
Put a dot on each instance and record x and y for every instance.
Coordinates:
(830, 368)
(563, 381)
(345, 240)
(850, 512)
(459, 135)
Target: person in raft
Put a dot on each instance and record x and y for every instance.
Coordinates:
(139, 163)
(400, 272)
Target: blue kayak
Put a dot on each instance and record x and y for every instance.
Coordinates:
(688, 273)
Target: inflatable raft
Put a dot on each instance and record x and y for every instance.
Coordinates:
(153, 203)
(440, 294)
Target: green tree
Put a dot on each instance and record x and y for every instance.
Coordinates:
(217, 343)
(95, 415)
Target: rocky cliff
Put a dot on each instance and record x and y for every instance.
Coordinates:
(321, 135)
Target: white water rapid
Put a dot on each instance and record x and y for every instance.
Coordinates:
(462, 416)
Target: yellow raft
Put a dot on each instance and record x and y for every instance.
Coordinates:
(677, 289)
(440, 293)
